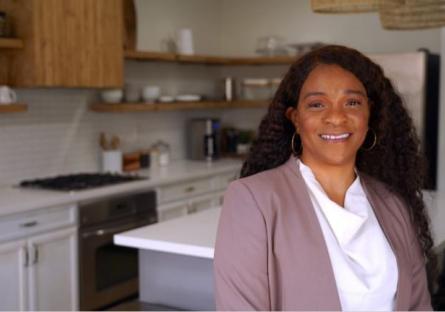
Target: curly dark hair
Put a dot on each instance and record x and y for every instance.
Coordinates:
(395, 160)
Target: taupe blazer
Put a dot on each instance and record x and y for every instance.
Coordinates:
(270, 252)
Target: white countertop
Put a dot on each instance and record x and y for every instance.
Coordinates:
(191, 235)
(15, 200)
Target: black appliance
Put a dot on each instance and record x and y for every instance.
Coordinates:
(108, 273)
(78, 181)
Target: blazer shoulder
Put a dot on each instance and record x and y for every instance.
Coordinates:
(266, 179)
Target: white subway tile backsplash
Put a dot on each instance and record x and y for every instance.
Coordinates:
(59, 134)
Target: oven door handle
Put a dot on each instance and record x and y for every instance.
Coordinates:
(112, 230)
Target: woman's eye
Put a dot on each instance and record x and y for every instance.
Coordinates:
(315, 105)
(354, 102)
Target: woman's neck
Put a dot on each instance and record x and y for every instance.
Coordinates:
(335, 179)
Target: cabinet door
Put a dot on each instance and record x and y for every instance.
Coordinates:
(13, 285)
(69, 43)
(53, 272)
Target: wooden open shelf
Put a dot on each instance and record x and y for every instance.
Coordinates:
(13, 108)
(11, 43)
(150, 56)
(208, 59)
(139, 107)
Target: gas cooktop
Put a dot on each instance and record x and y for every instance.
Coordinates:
(79, 181)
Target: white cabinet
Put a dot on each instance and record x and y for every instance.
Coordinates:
(52, 271)
(193, 195)
(171, 211)
(38, 267)
(13, 279)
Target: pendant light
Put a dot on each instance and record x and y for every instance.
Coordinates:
(414, 14)
(352, 6)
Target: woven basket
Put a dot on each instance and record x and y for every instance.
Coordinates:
(352, 6)
(414, 14)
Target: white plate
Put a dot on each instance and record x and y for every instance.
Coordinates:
(166, 99)
(188, 97)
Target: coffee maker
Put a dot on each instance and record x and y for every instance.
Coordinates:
(203, 139)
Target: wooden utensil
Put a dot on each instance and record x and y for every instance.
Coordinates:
(115, 142)
(103, 141)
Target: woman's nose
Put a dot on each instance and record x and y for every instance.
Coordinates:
(335, 116)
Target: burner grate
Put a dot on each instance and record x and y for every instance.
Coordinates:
(80, 181)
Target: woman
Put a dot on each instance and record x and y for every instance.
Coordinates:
(328, 213)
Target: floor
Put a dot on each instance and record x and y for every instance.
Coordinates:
(136, 305)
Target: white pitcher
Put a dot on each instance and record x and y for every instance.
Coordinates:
(7, 95)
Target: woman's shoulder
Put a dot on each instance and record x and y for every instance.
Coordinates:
(378, 187)
(270, 179)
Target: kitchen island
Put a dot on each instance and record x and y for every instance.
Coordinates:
(176, 260)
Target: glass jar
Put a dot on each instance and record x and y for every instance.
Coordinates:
(160, 153)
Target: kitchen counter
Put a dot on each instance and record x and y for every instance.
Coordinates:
(176, 260)
(192, 235)
(15, 200)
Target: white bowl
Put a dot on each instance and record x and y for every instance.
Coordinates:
(150, 94)
(112, 95)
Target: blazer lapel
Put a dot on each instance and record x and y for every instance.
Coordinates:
(314, 245)
(382, 209)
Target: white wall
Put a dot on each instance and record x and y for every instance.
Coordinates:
(245, 21)
(232, 27)
(158, 21)
(59, 134)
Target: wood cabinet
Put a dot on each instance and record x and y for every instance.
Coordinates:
(68, 43)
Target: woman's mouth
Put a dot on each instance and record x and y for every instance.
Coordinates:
(340, 137)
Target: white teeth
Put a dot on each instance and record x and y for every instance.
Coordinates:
(332, 137)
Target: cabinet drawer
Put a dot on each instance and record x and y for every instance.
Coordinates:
(225, 179)
(203, 204)
(29, 223)
(168, 212)
(185, 189)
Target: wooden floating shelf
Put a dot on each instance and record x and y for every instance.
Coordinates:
(11, 43)
(208, 59)
(13, 108)
(140, 107)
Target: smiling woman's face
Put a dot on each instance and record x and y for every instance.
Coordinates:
(331, 116)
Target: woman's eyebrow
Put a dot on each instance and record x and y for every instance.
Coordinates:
(314, 93)
(350, 91)
(347, 91)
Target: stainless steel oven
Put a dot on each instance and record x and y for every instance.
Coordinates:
(109, 273)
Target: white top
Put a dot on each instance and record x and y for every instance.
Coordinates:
(191, 235)
(364, 264)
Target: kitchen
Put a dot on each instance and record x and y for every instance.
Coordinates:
(59, 133)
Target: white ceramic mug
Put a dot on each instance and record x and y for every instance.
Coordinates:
(150, 94)
(184, 41)
(7, 95)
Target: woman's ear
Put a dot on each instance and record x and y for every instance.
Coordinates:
(290, 112)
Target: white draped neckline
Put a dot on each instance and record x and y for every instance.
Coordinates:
(364, 265)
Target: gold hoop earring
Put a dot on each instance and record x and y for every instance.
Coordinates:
(292, 145)
(374, 142)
